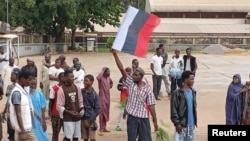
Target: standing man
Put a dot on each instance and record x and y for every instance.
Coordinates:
(4, 58)
(183, 109)
(79, 75)
(190, 63)
(70, 106)
(105, 83)
(54, 71)
(14, 79)
(156, 67)
(39, 104)
(141, 102)
(21, 109)
(44, 75)
(6, 73)
(75, 60)
(30, 67)
(64, 65)
(164, 56)
(175, 71)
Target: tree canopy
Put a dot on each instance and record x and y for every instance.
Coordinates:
(51, 17)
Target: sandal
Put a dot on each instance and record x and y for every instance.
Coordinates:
(106, 130)
(100, 133)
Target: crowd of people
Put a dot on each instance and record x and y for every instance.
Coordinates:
(63, 90)
(181, 74)
(73, 104)
(238, 102)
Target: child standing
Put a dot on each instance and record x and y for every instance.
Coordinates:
(54, 114)
(91, 109)
(123, 99)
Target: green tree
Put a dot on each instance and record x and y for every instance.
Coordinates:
(99, 12)
(51, 17)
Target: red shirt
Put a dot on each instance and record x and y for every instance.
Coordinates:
(54, 110)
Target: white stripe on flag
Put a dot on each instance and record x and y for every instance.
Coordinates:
(123, 29)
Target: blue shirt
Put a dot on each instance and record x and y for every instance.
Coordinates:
(91, 105)
(190, 105)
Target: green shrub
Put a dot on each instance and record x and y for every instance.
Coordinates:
(109, 42)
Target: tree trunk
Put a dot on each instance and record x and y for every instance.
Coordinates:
(60, 37)
(73, 42)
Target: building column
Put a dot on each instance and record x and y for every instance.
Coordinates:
(244, 41)
(218, 40)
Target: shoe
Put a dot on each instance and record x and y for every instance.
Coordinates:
(118, 128)
(100, 133)
(106, 130)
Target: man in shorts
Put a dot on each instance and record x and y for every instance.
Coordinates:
(70, 106)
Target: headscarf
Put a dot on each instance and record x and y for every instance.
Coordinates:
(233, 102)
(30, 59)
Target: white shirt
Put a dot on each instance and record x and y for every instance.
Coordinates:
(3, 63)
(54, 72)
(6, 74)
(175, 64)
(52, 92)
(157, 62)
(188, 66)
(79, 77)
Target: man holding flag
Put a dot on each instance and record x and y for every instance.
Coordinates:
(140, 103)
(132, 38)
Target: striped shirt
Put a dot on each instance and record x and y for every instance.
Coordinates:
(138, 99)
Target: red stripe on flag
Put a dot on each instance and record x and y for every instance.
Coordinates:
(144, 36)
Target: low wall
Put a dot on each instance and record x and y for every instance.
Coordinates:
(38, 49)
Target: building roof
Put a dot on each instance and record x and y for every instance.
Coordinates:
(198, 5)
(174, 28)
(203, 28)
(170, 26)
(192, 26)
(8, 36)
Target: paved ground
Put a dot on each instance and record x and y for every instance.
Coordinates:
(213, 77)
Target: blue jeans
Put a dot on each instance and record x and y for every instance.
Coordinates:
(138, 127)
(187, 134)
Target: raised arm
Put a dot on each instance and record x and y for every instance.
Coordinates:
(119, 64)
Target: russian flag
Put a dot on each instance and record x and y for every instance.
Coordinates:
(135, 31)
